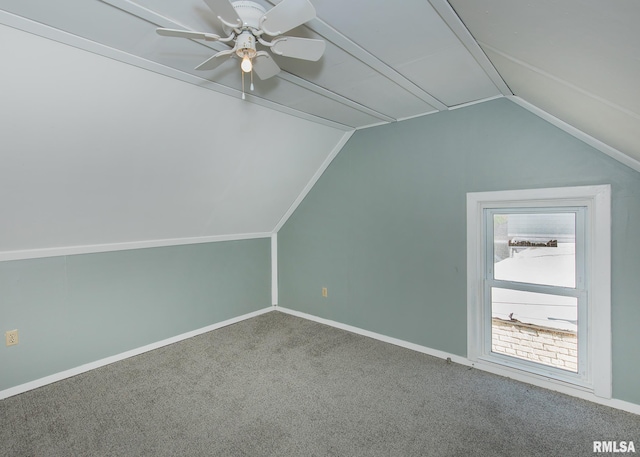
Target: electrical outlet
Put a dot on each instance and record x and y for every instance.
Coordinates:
(324, 292)
(12, 337)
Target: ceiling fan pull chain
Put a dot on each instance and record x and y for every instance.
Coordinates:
(243, 96)
(251, 86)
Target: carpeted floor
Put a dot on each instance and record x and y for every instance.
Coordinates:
(278, 385)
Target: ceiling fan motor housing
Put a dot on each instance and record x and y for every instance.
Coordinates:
(250, 13)
(246, 45)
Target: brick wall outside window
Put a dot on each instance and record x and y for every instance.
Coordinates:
(547, 346)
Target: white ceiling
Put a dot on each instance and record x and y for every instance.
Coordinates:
(104, 148)
(372, 71)
(578, 60)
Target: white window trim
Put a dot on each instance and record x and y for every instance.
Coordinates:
(598, 200)
(579, 292)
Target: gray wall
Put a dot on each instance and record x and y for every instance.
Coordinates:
(384, 229)
(78, 309)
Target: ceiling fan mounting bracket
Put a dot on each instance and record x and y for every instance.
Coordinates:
(249, 13)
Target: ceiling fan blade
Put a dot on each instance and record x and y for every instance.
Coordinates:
(298, 48)
(188, 34)
(287, 15)
(217, 59)
(264, 66)
(225, 12)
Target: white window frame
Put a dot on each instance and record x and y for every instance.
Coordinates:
(597, 199)
(579, 291)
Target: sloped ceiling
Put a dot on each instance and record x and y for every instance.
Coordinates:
(578, 60)
(111, 137)
(96, 152)
(382, 63)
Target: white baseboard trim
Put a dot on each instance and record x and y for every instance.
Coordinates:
(378, 336)
(274, 269)
(124, 355)
(545, 383)
(555, 385)
(501, 371)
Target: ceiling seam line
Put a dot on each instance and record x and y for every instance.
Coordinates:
(601, 146)
(562, 81)
(293, 79)
(333, 36)
(460, 30)
(350, 47)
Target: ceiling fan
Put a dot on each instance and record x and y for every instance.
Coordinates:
(247, 23)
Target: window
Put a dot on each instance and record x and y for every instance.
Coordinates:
(539, 284)
(534, 286)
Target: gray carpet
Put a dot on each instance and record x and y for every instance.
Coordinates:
(278, 385)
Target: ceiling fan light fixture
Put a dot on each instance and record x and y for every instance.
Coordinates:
(246, 45)
(246, 64)
(246, 50)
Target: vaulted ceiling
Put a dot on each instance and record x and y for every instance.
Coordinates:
(382, 62)
(112, 137)
(578, 60)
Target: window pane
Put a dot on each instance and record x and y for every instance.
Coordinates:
(541, 328)
(535, 248)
